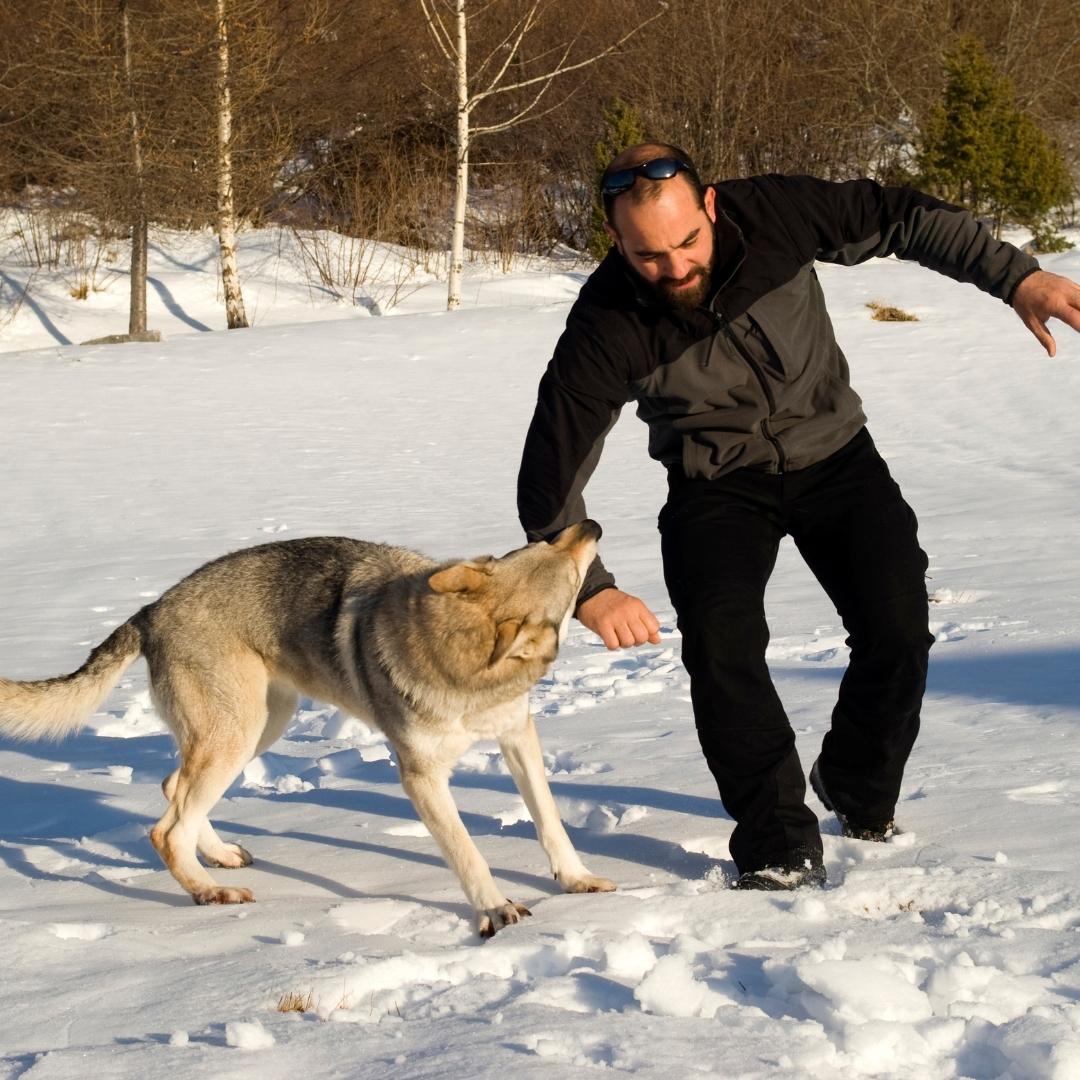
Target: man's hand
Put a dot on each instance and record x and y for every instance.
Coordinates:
(620, 619)
(1043, 295)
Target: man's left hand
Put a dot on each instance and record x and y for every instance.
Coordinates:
(1043, 295)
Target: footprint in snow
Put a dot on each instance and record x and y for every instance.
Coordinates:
(583, 681)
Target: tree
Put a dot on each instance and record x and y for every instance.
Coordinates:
(86, 88)
(622, 128)
(979, 149)
(484, 82)
(139, 231)
(235, 315)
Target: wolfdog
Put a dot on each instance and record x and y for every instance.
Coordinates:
(436, 655)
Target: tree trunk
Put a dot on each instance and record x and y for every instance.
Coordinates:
(137, 316)
(230, 280)
(461, 181)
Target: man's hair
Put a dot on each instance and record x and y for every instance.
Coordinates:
(644, 189)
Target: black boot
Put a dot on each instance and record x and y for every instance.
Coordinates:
(850, 824)
(809, 874)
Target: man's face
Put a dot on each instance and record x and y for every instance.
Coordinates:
(668, 241)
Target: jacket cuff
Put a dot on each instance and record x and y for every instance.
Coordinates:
(583, 595)
(597, 579)
(1016, 284)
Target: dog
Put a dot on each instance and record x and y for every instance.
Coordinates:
(436, 655)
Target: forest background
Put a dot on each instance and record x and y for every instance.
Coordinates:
(119, 116)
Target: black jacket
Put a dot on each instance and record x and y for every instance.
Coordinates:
(754, 378)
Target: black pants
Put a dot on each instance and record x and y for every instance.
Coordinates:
(858, 536)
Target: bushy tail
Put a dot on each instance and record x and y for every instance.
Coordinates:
(53, 708)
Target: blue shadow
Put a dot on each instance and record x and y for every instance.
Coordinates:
(36, 308)
(1048, 678)
(173, 307)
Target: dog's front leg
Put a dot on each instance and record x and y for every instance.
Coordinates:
(521, 751)
(428, 787)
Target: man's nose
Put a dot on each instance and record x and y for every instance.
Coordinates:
(677, 265)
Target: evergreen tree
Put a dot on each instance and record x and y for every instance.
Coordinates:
(622, 127)
(979, 149)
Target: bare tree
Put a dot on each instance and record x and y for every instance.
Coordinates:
(226, 211)
(486, 82)
(82, 137)
(139, 232)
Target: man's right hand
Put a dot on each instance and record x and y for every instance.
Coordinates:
(620, 619)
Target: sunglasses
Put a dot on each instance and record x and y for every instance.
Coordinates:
(664, 168)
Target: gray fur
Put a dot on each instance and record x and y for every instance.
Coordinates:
(436, 655)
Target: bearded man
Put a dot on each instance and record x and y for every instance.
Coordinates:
(707, 312)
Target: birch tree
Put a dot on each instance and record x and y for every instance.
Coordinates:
(226, 212)
(485, 82)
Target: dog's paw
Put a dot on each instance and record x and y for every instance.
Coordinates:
(496, 918)
(219, 894)
(587, 883)
(228, 857)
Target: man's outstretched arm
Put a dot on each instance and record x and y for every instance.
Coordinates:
(1042, 296)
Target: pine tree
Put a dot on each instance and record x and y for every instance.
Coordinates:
(622, 128)
(979, 149)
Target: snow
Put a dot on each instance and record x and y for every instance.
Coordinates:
(951, 951)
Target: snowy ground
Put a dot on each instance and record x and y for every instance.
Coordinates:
(953, 951)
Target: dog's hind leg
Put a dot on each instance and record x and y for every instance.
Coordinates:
(428, 786)
(280, 706)
(218, 727)
(523, 757)
(214, 851)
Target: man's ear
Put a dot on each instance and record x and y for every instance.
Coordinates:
(463, 577)
(710, 203)
(613, 236)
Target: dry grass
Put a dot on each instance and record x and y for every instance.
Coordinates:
(887, 313)
(300, 1002)
(296, 1002)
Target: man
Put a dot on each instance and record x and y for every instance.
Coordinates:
(708, 313)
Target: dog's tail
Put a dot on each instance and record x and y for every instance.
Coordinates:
(53, 708)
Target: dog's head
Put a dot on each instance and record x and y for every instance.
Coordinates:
(526, 597)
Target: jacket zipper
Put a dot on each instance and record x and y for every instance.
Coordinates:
(755, 367)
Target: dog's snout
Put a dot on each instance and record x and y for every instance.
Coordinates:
(578, 532)
(591, 529)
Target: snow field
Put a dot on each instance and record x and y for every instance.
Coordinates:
(951, 951)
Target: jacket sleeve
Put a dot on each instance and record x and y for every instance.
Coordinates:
(857, 220)
(578, 403)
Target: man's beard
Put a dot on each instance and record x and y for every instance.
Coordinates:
(690, 296)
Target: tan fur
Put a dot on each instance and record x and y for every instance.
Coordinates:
(436, 655)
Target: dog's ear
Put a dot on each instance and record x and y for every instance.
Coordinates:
(463, 577)
(523, 641)
(511, 639)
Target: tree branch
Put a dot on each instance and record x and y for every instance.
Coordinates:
(439, 31)
(526, 23)
(503, 44)
(521, 117)
(560, 70)
(518, 117)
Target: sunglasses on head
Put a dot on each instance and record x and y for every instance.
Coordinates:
(663, 168)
